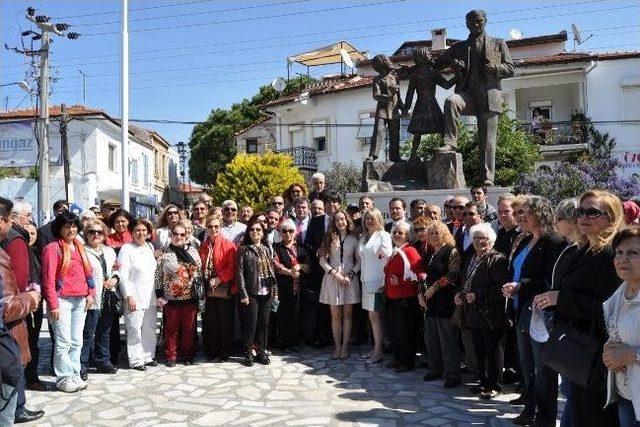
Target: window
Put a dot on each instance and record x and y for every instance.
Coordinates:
(320, 143)
(145, 170)
(319, 132)
(365, 131)
(133, 171)
(112, 159)
(252, 146)
(539, 111)
(296, 136)
(631, 102)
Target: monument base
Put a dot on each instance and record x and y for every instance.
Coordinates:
(445, 171)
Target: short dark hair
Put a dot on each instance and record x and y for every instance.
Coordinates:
(624, 234)
(475, 187)
(6, 206)
(398, 199)
(246, 239)
(300, 200)
(135, 222)
(473, 204)
(416, 202)
(116, 214)
(59, 203)
(477, 12)
(62, 219)
(332, 196)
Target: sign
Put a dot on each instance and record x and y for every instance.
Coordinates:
(19, 147)
(629, 162)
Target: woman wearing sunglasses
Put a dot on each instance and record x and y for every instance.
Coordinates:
(169, 218)
(97, 325)
(178, 270)
(585, 282)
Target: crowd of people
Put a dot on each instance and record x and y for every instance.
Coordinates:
(522, 294)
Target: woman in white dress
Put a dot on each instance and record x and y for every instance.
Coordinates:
(375, 248)
(137, 283)
(340, 290)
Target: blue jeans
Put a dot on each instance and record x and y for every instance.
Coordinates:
(8, 406)
(567, 413)
(626, 413)
(88, 336)
(68, 332)
(102, 346)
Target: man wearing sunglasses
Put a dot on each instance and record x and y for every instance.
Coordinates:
(199, 212)
(231, 229)
(456, 226)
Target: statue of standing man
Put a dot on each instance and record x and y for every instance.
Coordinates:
(480, 62)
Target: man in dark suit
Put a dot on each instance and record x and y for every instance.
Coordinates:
(456, 227)
(397, 211)
(480, 62)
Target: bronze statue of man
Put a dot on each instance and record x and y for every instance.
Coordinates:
(480, 62)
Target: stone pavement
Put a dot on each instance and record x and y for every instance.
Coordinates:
(306, 388)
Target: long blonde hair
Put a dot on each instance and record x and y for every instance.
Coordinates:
(378, 222)
(444, 235)
(611, 204)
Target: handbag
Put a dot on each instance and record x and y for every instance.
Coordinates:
(113, 302)
(223, 291)
(199, 292)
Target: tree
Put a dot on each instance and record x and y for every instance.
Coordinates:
(213, 144)
(252, 179)
(344, 178)
(516, 151)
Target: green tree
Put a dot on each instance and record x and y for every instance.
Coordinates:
(344, 177)
(516, 151)
(212, 143)
(252, 179)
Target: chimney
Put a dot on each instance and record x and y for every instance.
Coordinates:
(439, 39)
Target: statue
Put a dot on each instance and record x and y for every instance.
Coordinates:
(386, 90)
(480, 62)
(427, 116)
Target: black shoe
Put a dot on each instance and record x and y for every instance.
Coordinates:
(37, 386)
(476, 389)
(84, 375)
(262, 358)
(520, 400)
(106, 369)
(523, 420)
(392, 365)
(452, 382)
(248, 359)
(153, 363)
(23, 415)
(140, 368)
(403, 368)
(170, 363)
(489, 394)
(224, 359)
(430, 377)
(188, 362)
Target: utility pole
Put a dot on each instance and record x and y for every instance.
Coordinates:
(46, 29)
(84, 87)
(64, 119)
(124, 100)
(182, 153)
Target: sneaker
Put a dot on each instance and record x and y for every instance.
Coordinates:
(152, 363)
(106, 369)
(80, 383)
(68, 385)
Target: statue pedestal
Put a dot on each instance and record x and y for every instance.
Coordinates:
(445, 171)
(375, 176)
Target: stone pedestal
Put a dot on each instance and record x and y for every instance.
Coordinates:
(375, 176)
(445, 171)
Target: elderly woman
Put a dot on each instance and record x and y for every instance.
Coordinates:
(119, 221)
(137, 267)
(531, 266)
(441, 336)
(218, 256)
(169, 218)
(341, 263)
(257, 288)
(179, 267)
(374, 248)
(586, 280)
(402, 273)
(69, 290)
(482, 282)
(291, 266)
(97, 325)
(622, 315)
(191, 239)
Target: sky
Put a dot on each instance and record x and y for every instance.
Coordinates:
(188, 57)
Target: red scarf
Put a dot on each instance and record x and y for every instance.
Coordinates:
(65, 262)
(116, 240)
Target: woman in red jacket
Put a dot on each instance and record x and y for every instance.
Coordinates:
(218, 256)
(402, 273)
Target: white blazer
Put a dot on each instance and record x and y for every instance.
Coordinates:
(96, 266)
(374, 255)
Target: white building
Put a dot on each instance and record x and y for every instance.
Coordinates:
(94, 157)
(332, 118)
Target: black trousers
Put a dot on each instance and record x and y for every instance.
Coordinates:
(217, 327)
(287, 319)
(315, 319)
(254, 319)
(403, 322)
(587, 408)
(489, 347)
(114, 340)
(34, 325)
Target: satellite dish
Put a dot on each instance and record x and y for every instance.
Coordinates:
(515, 34)
(279, 84)
(346, 58)
(577, 37)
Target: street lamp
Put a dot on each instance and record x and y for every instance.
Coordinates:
(22, 84)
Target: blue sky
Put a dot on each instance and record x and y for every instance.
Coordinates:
(191, 56)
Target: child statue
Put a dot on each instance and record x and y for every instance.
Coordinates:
(427, 116)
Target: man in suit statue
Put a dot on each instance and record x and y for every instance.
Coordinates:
(480, 62)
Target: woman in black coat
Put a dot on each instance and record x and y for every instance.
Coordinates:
(586, 280)
(530, 269)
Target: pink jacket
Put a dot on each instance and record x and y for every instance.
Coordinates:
(74, 284)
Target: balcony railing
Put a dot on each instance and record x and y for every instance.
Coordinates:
(557, 133)
(303, 157)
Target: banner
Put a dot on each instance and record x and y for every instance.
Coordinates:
(19, 147)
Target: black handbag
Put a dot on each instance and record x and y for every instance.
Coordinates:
(113, 302)
(199, 292)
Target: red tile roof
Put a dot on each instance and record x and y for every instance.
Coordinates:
(568, 57)
(54, 111)
(326, 86)
(190, 188)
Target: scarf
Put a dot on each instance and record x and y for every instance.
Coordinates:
(65, 263)
(207, 255)
(408, 273)
(182, 254)
(266, 275)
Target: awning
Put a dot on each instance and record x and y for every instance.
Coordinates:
(327, 55)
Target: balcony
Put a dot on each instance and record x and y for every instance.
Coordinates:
(557, 133)
(303, 157)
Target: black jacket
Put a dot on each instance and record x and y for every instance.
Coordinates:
(584, 282)
(535, 277)
(488, 310)
(505, 240)
(247, 274)
(312, 243)
(445, 262)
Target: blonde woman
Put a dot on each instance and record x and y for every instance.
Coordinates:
(375, 248)
(169, 218)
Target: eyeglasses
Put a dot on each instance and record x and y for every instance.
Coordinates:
(591, 213)
(94, 232)
(179, 234)
(287, 231)
(457, 208)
